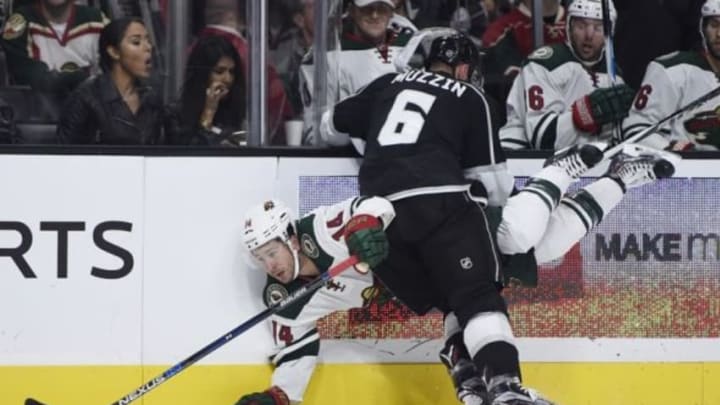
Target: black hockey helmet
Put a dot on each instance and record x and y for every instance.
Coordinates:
(454, 49)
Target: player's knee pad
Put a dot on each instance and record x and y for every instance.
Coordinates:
(486, 328)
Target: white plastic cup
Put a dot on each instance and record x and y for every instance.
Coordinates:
(293, 132)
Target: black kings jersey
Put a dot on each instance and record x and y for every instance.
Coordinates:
(423, 133)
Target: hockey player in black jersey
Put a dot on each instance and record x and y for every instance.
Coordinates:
(426, 134)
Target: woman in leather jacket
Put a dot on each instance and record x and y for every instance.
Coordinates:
(116, 107)
(211, 108)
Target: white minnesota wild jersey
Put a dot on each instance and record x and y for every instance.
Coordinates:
(539, 114)
(671, 82)
(295, 335)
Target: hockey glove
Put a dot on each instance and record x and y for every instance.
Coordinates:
(602, 106)
(366, 239)
(273, 396)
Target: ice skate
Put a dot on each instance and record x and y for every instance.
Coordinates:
(637, 165)
(577, 159)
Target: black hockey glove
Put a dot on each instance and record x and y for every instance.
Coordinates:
(365, 238)
(273, 396)
(602, 106)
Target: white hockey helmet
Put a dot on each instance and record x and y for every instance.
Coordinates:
(590, 9)
(587, 9)
(265, 222)
(269, 221)
(711, 8)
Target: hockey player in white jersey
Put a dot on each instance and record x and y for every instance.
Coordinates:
(535, 226)
(672, 81)
(564, 95)
(293, 252)
(540, 224)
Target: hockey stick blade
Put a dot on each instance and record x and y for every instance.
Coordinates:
(612, 151)
(305, 290)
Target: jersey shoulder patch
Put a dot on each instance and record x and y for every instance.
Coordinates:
(692, 58)
(552, 56)
(15, 27)
(310, 245)
(275, 292)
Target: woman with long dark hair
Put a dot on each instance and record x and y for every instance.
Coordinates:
(116, 107)
(211, 108)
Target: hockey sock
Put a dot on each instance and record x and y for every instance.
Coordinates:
(576, 216)
(549, 184)
(491, 343)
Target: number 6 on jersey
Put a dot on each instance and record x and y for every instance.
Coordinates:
(403, 124)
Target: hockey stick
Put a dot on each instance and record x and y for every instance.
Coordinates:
(610, 152)
(317, 283)
(610, 58)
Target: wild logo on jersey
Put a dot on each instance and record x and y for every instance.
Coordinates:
(275, 293)
(704, 127)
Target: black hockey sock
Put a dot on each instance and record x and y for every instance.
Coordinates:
(498, 358)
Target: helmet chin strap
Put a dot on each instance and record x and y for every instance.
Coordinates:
(296, 260)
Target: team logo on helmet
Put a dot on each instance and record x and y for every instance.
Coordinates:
(275, 293)
(270, 204)
(309, 247)
(466, 263)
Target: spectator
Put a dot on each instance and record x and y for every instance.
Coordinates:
(51, 45)
(367, 49)
(212, 102)
(289, 46)
(116, 108)
(564, 94)
(673, 81)
(226, 18)
(509, 39)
